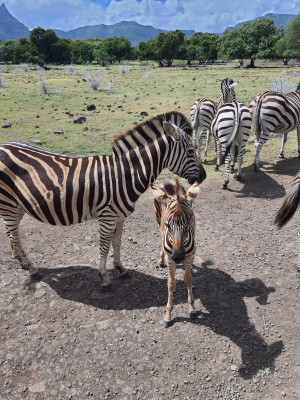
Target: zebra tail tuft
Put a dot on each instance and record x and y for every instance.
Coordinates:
(290, 204)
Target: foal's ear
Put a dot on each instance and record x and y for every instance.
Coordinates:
(159, 194)
(193, 192)
(172, 130)
(234, 85)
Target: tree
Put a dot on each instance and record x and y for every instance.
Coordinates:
(289, 45)
(169, 46)
(100, 55)
(45, 41)
(208, 42)
(81, 52)
(232, 46)
(61, 52)
(147, 50)
(117, 48)
(192, 52)
(7, 48)
(23, 51)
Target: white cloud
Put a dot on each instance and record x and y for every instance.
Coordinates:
(200, 15)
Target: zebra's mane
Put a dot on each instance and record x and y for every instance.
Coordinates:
(121, 142)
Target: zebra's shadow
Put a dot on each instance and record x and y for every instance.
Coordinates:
(227, 315)
(223, 298)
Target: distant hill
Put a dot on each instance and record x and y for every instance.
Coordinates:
(131, 30)
(10, 27)
(279, 20)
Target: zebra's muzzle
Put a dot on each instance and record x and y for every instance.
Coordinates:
(178, 255)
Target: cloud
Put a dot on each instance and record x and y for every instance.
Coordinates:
(200, 15)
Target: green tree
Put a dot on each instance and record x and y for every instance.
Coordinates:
(61, 52)
(23, 51)
(7, 48)
(81, 52)
(117, 48)
(192, 52)
(232, 46)
(169, 46)
(147, 50)
(44, 41)
(289, 45)
(100, 54)
(208, 42)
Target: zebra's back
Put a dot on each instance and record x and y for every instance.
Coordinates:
(203, 112)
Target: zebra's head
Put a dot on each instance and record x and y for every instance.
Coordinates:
(227, 94)
(176, 218)
(182, 159)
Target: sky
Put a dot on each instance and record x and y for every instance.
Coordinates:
(198, 15)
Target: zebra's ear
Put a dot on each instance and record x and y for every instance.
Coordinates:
(193, 192)
(172, 130)
(234, 85)
(159, 194)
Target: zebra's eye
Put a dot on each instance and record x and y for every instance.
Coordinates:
(190, 152)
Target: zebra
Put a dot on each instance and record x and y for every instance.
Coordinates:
(231, 124)
(204, 110)
(176, 219)
(61, 190)
(289, 206)
(278, 113)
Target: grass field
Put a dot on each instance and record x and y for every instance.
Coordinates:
(120, 99)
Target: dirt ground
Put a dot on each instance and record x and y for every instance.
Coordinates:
(66, 338)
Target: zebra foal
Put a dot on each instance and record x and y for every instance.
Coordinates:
(61, 190)
(278, 113)
(176, 218)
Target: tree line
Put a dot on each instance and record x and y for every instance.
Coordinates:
(260, 39)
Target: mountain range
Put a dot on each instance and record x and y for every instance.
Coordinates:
(11, 28)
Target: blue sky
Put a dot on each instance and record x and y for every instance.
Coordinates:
(199, 15)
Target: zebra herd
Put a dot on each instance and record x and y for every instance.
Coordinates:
(61, 190)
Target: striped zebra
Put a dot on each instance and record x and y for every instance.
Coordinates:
(289, 206)
(176, 218)
(61, 190)
(231, 125)
(204, 110)
(278, 113)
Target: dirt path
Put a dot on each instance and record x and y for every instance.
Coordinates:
(64, 338)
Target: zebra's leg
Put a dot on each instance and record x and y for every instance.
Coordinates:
(195, 141)
(283, 142)
(207, 142)
(171, 287)
(116, 244)
(107, 229)
(200, 138)
(12, 219)
(258, 146)
(219, 155)
(162, 258)
(227, 170)
(188, 282)
(232, 150)
(298, 137)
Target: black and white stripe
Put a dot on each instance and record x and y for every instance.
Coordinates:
(204, 110)
(176, 218)
(278, 113)
(231, 125)
(61, 190)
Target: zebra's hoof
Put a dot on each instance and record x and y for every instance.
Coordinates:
(36, 276)
(167, 323)
(193, 315)
(216, 168)
(162, 266)
(238, 177)
(224, 186)
(281, 155)
(125, 274)
(232, 170)
(255, 168)
(107, 288)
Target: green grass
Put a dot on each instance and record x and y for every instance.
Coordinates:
(120, 101)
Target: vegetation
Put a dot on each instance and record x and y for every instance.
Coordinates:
(41, 105)
(257, 40)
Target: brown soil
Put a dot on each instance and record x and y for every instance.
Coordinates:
(66, 338)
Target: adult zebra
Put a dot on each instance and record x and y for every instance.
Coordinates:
(204, 110)
(278, 113)
(232, 124)
(62, 190)
(176, 219)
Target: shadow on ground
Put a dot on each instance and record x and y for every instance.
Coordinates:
(223, 298)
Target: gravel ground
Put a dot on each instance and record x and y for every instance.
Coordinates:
(65, 338)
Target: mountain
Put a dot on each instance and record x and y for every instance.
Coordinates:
(131, 30)
(279, 19)
(10, 27)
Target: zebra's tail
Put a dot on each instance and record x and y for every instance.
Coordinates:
(289, 204)
(256, 128)
(195, 112)
(237, 120)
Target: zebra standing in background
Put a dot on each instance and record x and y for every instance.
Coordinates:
(278, 113)
(204, 110)
(61, 190)
(176, 218)
(232, 124)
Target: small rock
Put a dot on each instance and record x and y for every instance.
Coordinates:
(79, 120)
(91, 107)
(58, 131)
(6, 125)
